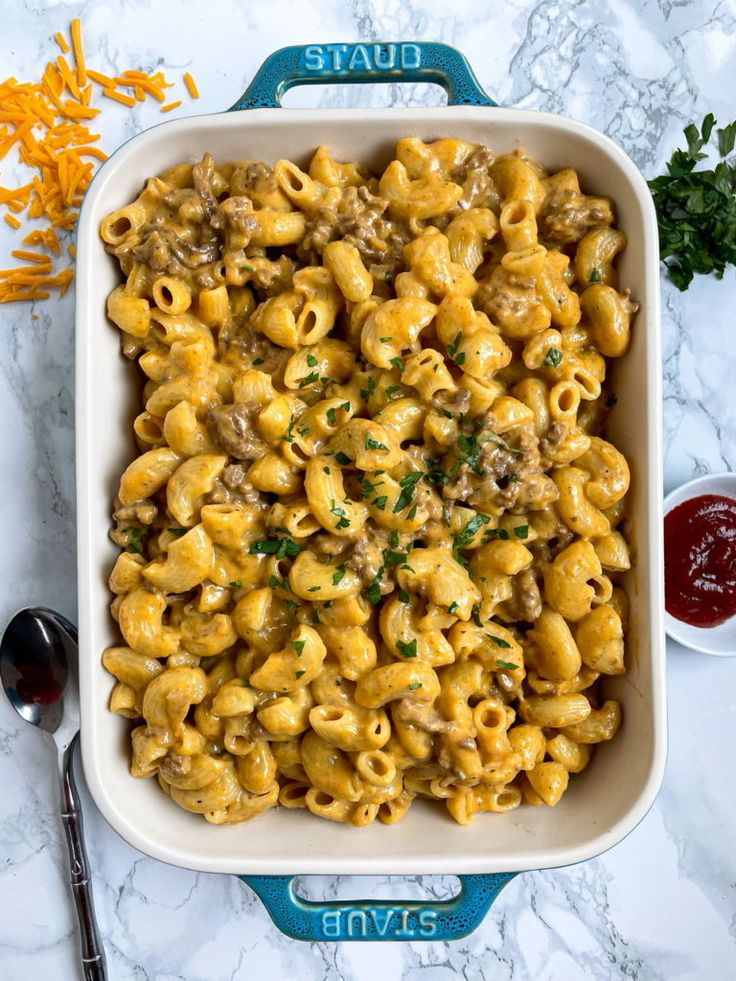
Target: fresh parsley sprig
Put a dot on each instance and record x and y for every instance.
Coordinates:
(696, 209)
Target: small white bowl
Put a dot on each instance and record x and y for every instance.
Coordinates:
(720, 640)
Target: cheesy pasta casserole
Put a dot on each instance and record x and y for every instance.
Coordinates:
(371, 546)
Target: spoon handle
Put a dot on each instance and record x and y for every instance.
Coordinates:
(93, 955)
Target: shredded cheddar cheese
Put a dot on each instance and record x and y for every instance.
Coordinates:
(45, 122)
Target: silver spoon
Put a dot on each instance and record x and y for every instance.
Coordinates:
(35, 652)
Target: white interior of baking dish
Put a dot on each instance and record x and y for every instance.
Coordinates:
(604, 803)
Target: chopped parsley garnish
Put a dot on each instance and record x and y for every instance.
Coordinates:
(276, 583)
(338, 575)
(394, 539)
(331, 417)
(469, 448)
(365, 393)
(392, 390)
(288, 437)
(373, 593)
(314, 589)
(341, 514)
(380, 502)
(513, 478)
(496, 533)
(338, 682)
(522, 531)
(392, 559)
(247, 268)
(315, 616)
(298, 674)
(280, 547)
(696, 209)
(476, 615)
(435, 474)
(414, 685)
(389, 278)
(397, 363)
(311, 361)
(595, 276)
(407, 483)
(452, 348)
(292, 604)
(258, 361)
(500, 441)
(343, 459)
(310, 379)
(452, 608)
(385, 340)
(367, 487)
(326, 470)
(135, 540)
(298, 646)
(372, 444)
(553, 358)
(412, 513)
(498, 641)
(407, 649)
(506, 665)
(237, 584)
(177, 531)
(404, 596)
(470, 530)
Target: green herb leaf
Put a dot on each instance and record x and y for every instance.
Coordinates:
(276, 583)
(404, 596)
(506, 665)
(298, 646)
(553, 358)
(258, 361)
(331, 417)
(498, 641)
(289, 435)
(341, 514)
(397, 363)
(247, 268)
(292, 604)
(237, 584)
(177, 531)
(372, 444)
(469, 531)
(135, 539)
(452, 608)
(373, 593)
(392, 390)
(310, 379)
(280, 547)
(452, 348)
(522, 531)
(298, 674)
(380, 502)
(696, 209)
(407, 483)
(338, 575)
(365, 393)
(314, 589)
(394, 539)
(414, 685)
(343, 459)
(392, 558)
(407, 649)
(595, 276)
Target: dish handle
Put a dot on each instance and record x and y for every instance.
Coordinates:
(400, 61)
(379, 919)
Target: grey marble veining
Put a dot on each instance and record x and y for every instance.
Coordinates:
(662, 904)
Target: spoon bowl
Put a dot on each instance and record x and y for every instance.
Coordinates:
(35, 653)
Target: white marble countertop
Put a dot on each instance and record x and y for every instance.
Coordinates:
(662, 904)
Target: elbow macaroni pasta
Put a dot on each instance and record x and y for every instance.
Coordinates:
(374, 541)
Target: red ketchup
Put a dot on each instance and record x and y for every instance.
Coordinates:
(700, 560)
